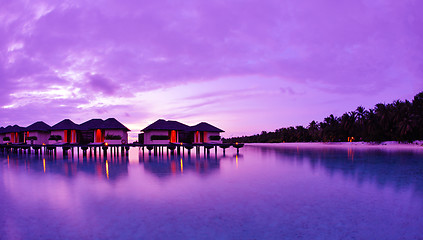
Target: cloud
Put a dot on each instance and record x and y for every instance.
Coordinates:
(323, 40)
(101, 52)
(99, 83)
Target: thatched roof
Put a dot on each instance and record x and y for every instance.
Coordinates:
(65, 125)
(38, 126)
(12, 129)
(205, 127)
(110, 123)
(92, 124)
(162, 124)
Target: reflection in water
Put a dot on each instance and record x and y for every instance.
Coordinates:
(400, 170)
(162, 166)
(351, 154)
(114, 166)
(107, 169)
(276, 193)
(71, 166)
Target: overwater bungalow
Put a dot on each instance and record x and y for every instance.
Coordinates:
(165, 132)
(109, 131)
(37, 133)
(206, 133)
(91, 131)
(115, 132)
(65, 131)
(13, 134)
(2, 135)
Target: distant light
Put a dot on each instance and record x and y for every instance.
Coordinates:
(106, 144)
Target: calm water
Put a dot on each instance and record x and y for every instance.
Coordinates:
(263, 193)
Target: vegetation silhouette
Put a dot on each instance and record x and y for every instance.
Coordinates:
(400, 121)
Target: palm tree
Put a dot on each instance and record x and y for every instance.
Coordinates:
(405, 128)
(361, 118)
(313, 129)
(417, 109)
(331, 129)
(400, 120)
(383, 118)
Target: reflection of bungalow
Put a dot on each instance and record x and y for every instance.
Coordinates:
(64, 132)
(13, 134)
(164, 132)
(162, 167)
(206, 133)
(99, 131)
(37, 133)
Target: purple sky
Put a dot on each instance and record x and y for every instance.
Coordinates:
(244, 66)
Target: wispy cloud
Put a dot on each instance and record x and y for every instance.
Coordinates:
(96, 55)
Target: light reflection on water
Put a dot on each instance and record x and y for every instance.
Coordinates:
(262, 193)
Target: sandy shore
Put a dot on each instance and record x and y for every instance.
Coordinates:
(389, 146)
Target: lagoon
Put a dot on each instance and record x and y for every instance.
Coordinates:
(264, 192)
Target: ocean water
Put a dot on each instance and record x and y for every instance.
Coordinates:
(260, 193)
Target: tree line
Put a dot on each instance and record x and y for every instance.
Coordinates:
(398, 121)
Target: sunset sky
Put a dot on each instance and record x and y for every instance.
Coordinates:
(243, 66)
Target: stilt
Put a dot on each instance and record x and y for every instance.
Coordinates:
(105, 151)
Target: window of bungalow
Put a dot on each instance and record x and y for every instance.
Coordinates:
(197, 136)
(99, 136)
(173, 136)
(73, 136)
(65, 136)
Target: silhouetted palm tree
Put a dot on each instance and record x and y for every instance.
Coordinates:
(313, 129)
(400, 121)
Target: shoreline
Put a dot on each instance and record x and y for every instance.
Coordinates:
(389, 146)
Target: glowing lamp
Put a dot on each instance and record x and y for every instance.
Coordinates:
(106, 144)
